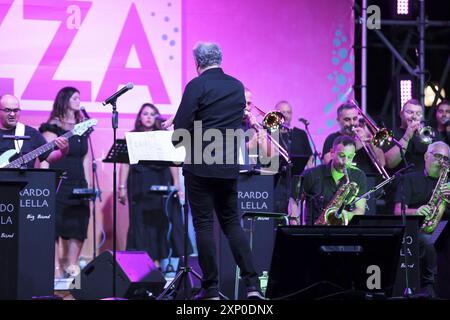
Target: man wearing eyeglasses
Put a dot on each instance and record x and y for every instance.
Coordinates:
(414, 149)
(417, 189)
(10, 126)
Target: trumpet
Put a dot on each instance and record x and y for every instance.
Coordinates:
(426, 134)
(272, 121)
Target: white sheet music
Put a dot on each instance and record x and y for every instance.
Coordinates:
(153, 146)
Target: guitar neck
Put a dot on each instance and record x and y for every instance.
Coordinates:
(17, 163)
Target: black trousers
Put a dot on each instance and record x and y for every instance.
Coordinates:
(428, 263)
(220, 195)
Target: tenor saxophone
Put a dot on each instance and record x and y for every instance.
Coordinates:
(432, 220)
(344, 195)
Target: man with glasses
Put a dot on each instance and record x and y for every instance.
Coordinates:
(414, 149)
(321, 183)
(10, 126)
(416, 191)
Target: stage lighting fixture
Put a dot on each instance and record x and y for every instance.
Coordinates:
(430, 94)
(403, 7)
(406, 90)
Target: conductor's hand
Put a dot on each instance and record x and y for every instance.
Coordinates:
(123, 196)
(168, 123)
(180, 194)
(63, 145)
(423, 210)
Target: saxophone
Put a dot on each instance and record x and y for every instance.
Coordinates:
(345, 194)
(432, 220)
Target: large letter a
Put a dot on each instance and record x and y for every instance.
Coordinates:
(148, 75)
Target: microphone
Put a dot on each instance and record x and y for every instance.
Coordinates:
(304, 121)
(84, 112)
(160, 118)
(446, 122)
(114, 97)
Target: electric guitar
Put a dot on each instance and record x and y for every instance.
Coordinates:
(79, 129)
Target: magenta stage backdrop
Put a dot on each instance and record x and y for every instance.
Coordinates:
(294, 50)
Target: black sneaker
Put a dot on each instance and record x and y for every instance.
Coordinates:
(209, 294)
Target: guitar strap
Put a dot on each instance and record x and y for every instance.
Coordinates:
(20, 131)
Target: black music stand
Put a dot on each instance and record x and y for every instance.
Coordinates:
(183, 274)
(117, 154)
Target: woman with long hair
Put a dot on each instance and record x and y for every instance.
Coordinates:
(71, 213)
(151, 215)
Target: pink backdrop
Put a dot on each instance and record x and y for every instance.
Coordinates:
(295, 50)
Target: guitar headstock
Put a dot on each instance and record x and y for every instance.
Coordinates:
(82, 127)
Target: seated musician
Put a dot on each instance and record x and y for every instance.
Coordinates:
(350, 123)
(415, 191)
(320, 184)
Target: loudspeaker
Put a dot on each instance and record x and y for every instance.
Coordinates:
(442, 245)
(328, 262)
(136, 277)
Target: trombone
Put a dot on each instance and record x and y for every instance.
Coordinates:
(380, 138)
(371, 153)
(272, 121)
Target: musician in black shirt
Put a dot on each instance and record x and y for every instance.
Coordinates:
(10, 125)
(321, 183)
(415, 190)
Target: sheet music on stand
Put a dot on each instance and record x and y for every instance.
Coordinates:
(155, 147)
(119, 151)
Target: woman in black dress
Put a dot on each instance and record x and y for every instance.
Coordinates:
(149, 221)
(72, 214)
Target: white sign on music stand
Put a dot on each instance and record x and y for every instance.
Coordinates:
(153, 146)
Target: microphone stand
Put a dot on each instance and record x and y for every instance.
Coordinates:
(115, 125)
(408, 291)
(288, 167)
(316, 154)
(400, 173)
(97, 193)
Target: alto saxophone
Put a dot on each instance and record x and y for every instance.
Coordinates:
(345, 194)
(432, 220)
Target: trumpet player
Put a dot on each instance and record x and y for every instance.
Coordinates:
(411, 117)
(321, 183)
(350, 124)
(413, 148)
(416, 191)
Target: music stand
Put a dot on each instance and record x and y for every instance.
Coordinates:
(117, 154)
(298, 166)
(183, 273)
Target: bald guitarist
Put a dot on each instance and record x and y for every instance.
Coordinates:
(10, 126)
